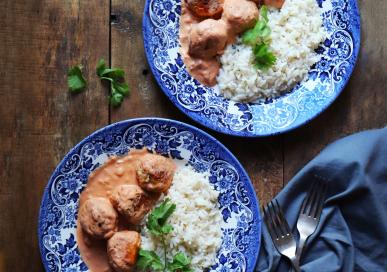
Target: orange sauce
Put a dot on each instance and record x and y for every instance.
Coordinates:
(116, 171)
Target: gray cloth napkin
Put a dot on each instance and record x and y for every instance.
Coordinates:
(352, 234)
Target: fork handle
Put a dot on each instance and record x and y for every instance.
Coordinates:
(296, 264)
(300, 247)
(296, 269)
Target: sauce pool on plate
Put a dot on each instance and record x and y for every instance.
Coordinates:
(204, 40)
(115, 172)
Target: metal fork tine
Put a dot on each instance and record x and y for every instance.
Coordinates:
(281, 218)
(316, 203)
(275, 219)
(284, 221)
(321, 201)
(302, 210)
(270, 222)
(280, 233)
(309, 217)
(307, 200)
(312, 199)
(267, 218)
(278, 219)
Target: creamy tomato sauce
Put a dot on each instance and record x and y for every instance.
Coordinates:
(237, 17)
(204, 70)
(116, 171)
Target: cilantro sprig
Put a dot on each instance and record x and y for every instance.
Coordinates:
(75, 80)
(263, 57)
(180, 263)
(157, 220)
(119, 89)
(149, 260)
(158, 227)
(261, 30)
(259, 38)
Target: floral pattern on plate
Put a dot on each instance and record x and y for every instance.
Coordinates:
(325, 82)
(241, 225)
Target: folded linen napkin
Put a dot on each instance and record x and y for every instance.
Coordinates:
(352, 234)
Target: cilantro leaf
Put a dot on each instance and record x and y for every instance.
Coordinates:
(166, 229)
(164, 211)
(149, 260)
(107, 78)
(158, 217)
(101, 66)
(259, 37)
(180, 263)
(119, 89)
(264, 14)
(250, 37)
(116, 99)
(260, 32)
(75, 80)
(114, 73)
(157, 225)
(263, 57)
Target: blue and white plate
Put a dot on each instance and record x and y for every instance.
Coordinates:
(326, 79)
(238, 203)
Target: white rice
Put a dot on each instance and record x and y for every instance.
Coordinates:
(297, 30)
(196, 221)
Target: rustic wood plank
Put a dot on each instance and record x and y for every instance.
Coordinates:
(39, 119)
(361, 106)
(127, 51)
(263, 161)
(261, 158)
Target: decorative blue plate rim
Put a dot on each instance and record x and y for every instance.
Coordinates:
(126, 125)
(283, 114)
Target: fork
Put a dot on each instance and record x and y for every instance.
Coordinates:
(280, 232)
(310, 214)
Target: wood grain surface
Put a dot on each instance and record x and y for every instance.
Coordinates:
(362, 105)
(261, 158)
(40, 120)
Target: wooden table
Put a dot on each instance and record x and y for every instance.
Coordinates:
(40, 120)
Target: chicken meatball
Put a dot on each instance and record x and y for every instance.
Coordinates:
(240, 14)
(122, 250)
(132, 202)
(208, 39)
(206, 8)
(155, 173)
(98, 218)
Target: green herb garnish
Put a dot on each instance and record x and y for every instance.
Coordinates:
(149, 260)
(116, 99)
(180, 263)
(259, 38)
(75, 80)
(261, 31)
(156, 223)
(263, 57)
(263, 12)
(119, 89)
(157, 226)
